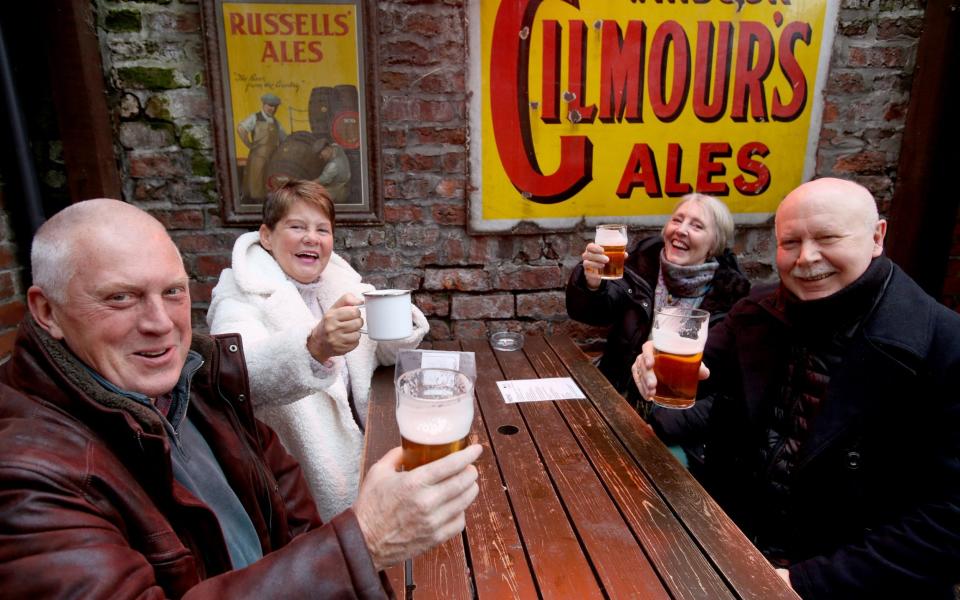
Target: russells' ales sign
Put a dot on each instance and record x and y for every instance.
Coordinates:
(614, 108)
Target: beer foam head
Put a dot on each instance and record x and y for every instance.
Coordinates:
(435, 425)
(610, 237)
(666, 340)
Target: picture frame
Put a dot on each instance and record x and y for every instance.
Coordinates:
(293, 85)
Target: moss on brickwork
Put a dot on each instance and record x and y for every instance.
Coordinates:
(150, 78)
(157, 108)
(166, 127)
(188, 140)
(149, 1)
(122, 20)
(201, 165)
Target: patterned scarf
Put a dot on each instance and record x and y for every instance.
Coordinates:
(683, 285)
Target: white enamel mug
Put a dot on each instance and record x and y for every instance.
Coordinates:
(387, 315)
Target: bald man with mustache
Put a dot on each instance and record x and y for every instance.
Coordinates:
(833, 431)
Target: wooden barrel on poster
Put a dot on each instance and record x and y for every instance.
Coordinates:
(320, 110)
(297, 157)
(335, 112)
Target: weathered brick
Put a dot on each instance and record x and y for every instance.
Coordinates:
(8, 256)
(181, 22)
(415, 188)
(878, 56)
(449, 214)
(493, 306)
(439, 330)
(179, 219)
(437, 111)
(378, 261)
(402, 213)
(11, 312)
(433, 305)
(155, 164)
(396, 80)
(459, 251)
(210, 265)
(8, 285)
(463, 280)
(200, 291)
(140, 135)
(418, 237)
(899, 27)
(550, 306)
(406, 53)
(441, 135)
(528, 277)
(207, 241)
(418, 162)
(470, 330)
(397, 108)
(862, 162)
(405, 281)
(450, 188)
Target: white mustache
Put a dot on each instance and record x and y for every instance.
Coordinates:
(810, 272)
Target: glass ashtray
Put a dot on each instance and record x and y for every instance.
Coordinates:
(506, 341)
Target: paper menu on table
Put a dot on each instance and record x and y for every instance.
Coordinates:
(538, 390)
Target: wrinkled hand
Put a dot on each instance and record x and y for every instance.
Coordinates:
(593, 262)
(403, 514)
(338, 332)
(645, 378)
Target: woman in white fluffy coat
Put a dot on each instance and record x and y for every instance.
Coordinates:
(294, 302)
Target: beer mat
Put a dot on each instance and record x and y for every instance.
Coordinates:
(436, 359)
(537, 390)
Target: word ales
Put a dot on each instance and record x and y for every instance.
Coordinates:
(292, 33)
(706, 78)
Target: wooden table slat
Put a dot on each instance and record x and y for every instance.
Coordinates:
(612, 548)
(738, 560)
(560, 568)
(676, 557)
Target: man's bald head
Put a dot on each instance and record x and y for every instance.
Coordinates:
(849, 196)
(58, 244)
(828, 232)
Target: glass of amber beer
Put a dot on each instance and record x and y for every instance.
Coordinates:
(679, 335)
(434, 413)
(613, 238)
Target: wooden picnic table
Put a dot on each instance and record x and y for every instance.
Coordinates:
(578, 498)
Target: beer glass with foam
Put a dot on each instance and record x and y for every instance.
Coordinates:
(679, 335)
(434, 413)
(613, 238)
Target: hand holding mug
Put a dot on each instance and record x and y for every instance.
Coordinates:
(338, 332)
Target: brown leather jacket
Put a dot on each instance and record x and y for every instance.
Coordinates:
(89, 507)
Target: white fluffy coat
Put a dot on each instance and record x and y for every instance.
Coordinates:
(307, 407)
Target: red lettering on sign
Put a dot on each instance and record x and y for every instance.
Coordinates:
(709, 168)
(236, 24)
(752, 167)
(510, 113)
(641, 171)
(716, 71)
(754, 61)
(672, 185)
(792, 71)
(621, 72)
(550, 92)
(670, 36)
(578, 73)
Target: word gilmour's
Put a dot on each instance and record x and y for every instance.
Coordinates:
(633, 85)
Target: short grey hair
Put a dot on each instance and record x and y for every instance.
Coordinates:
(722, 220)
(53, 253)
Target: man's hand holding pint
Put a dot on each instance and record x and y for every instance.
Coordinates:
(644, 376)
(402, 514)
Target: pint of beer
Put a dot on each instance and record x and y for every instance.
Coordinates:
(679, 335)
(434, 413)
(613, 238)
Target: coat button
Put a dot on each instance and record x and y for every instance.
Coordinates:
(853, 460)
(241, 397)
(645, 304)
(233, 347)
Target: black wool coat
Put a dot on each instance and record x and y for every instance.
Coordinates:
(874, 501)
(626, 305)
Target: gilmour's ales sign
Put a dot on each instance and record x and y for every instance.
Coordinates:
(616, 108)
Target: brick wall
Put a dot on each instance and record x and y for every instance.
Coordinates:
(12, 296)
(467, 285)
